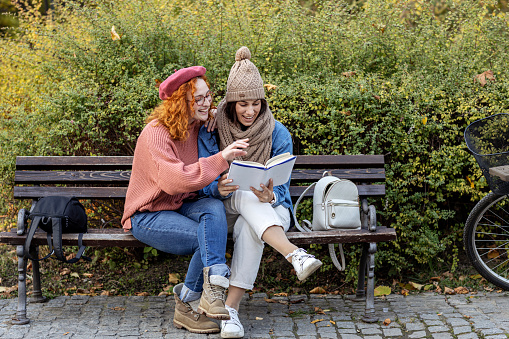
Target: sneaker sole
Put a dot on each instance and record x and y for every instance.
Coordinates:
(178, 324)
(232, 335)
(311, 269)
(218, 316)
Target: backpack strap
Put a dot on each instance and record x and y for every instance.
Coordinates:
(332, 252)
(33, 227)
(299, 226)
(57, 243)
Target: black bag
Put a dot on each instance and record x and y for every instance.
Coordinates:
(57, 215)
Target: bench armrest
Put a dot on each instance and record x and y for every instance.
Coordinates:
(22, 221)
(368, 216)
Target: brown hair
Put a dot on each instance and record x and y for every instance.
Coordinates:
(174, 113)
(231, 112)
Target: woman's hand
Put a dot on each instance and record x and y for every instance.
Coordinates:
(235, 149)
(266, 194)
(223, 189)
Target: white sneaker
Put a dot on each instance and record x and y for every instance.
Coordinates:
(303, 263)
(232, 328)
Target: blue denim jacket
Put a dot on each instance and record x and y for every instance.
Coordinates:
(208, 144)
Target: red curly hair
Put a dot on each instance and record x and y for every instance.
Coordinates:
(175, 112)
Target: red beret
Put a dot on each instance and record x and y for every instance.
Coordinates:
(173, 82)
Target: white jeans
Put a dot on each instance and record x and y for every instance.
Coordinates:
(248, 219)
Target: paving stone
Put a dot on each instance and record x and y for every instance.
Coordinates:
(414, 326)
(462, 329)
(441, 336)
(418, 334)
(392, 332)
(436, 329)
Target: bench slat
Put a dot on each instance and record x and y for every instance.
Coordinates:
(117, 237)
(125, 162)
(119, 177)
(34, 192)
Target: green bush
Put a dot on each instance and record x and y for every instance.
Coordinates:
(383, 77)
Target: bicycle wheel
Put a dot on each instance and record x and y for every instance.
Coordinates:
(486, 238)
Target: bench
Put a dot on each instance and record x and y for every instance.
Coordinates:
(107, 177)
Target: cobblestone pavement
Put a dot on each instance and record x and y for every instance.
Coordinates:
(425, 315)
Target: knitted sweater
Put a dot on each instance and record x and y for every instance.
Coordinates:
(165, 172)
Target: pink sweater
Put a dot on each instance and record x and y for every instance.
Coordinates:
(165, 171)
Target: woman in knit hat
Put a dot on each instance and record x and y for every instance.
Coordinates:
(262, 214)
(161, 207)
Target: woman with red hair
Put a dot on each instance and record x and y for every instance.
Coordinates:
(162, 209)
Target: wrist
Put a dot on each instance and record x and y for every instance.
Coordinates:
(273, 201)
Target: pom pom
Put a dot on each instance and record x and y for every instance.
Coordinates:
(242, 54)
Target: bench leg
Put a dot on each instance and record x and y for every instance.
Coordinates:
(37, 296)
(21, 314)
(360, 294)
(369, 315)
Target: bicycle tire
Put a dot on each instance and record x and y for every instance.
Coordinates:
(486, 239)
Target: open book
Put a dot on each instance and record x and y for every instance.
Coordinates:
(248, 174)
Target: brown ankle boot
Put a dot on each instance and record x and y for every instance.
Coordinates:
(213, 296)
(189, 319)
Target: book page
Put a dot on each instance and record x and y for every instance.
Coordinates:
(281, 172)
(245, 176)
(277, 159)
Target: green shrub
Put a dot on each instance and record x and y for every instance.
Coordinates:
(383, 77)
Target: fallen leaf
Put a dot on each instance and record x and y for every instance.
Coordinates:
(348, 74)
(484, 76)
(117, 308)
(499, 291)
(316, 320)
(461, 290)
(428, 287)
(66, 333)
(108, 293)
(449, 291)
(382, 290)
(258, 318)
(332, 322)
(424, 120)
(65, 271)
(448, 275)
(281, 294)
(271, 300)
(74, 274)
(416, 285)
(405, 292)
(317, 290)
(141, 294)
(467, 316)
(82, 291)
(318, 310)
(163, 294)
(88, 275)
(493, 254)
(387, 322)
(173, 278)
(476, 276)
(436, 278)
(296, 301)
(114, 34)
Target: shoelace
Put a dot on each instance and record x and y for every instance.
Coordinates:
(217, 292)
(234, 318)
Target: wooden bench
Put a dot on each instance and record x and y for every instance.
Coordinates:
(107, 177)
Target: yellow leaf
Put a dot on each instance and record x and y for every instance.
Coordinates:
(476, 276)
(270, 87)
(428, 287)
(316, 320)
(259, 318)
(424, 120)
(173, 278)
(74, 274)
(114, 34)
(382, 290)
(387, 322)
(416, 285)
(470, 181)
(332, 322)
(317, 290)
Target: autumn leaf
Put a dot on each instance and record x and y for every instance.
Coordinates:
(318, 310)
(348, 74)
(493, 254)
(476, 276)
(377, 97)
(436, 278)
(416, 285)
(404, 292)
(316, 321)
(158, 83)
(461, 290)
(117, 308)
(76, 275)
(449, 291)
(173, 278)
(281, 294)
(65, 271)
(273, 301)
(382, 290)
(108, 293)
(471, 182)
(114, 34)
(88, 275)
(484, 77)
(387, 322)
(424, 120)
(332, 322)
(428, 287)
(270, 87)
(141, 294)
(258, 318)
(317, 290)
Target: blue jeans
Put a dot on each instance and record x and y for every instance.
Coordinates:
(198, 228)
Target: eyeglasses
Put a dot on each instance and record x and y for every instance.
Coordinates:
(200, 100)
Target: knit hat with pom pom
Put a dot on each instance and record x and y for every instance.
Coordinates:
(244, 81)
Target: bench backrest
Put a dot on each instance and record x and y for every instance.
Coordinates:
(107, 177)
